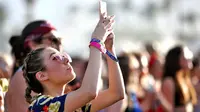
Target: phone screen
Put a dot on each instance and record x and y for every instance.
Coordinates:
(103, 8)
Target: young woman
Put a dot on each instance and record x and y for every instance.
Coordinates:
(35, 35)
(155, 69)
(177, 87)
(47, 70)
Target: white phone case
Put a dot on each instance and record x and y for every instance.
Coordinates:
(103, 8)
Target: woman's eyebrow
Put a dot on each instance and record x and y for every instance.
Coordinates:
(51, 54)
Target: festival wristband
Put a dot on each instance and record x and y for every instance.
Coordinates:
(98, 41)
(101, 46)
(111, 56)
(98, 46)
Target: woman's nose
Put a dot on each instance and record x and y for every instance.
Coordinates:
(65, 60)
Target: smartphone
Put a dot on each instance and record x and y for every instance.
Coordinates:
(102, 8)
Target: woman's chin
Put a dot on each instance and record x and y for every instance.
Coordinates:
(72, 76)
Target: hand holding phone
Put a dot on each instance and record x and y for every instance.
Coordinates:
(104, 26)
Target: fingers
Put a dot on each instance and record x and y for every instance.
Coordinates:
(103, 16)
(112, 17)
(104, 27)
(108, 19)
(111, 35)
(110, 25)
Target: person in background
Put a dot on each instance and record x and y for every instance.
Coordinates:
(130, 70)
(195, 71)
(177, 87)
(6, 63)
(151, 49)
(156, 70)
(5, 74)
(146, 83)
(17, 52)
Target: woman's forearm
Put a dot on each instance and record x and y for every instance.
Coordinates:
(93, 71)
(116, 83)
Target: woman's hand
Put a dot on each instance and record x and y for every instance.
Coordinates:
(103, 28)
(109, 43)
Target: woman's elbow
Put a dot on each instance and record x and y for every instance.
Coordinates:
(91, 95)
(90, 91)
(120, 95)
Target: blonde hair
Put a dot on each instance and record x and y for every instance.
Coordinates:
(6, 63)
(183, 77)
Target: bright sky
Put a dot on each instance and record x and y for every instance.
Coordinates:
(74, 26)
(77, 27)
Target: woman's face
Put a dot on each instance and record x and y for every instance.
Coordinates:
(185, 59)
(134, 65)
(196, 72)
(57, 66)
(51, 39)
(143, 64)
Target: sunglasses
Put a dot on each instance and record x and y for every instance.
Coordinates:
(62, 57)
(52, 38)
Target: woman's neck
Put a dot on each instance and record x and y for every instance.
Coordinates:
(53, 90)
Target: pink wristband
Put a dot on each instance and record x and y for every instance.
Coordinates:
(98, 46)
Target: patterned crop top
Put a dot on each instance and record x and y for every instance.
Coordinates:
(45, 103)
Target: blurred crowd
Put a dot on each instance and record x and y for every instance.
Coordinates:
(153, 83)
(160, 84)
